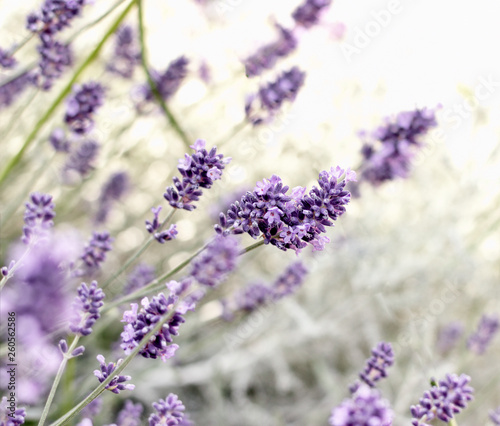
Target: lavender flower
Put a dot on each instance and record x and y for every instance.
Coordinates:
(138, 324)
(54, 16)
(152, 227)
(218, 260)
(114, 189)
(93, 409)
(495, 416)
(129, 415)
(81, 159)
(13, 88)
(252, 297)
(392, 147)
(272, 96)
(59, 141)
(55, 57)
(117, 383)
(7, 61)
(444, 401)
(268, 55)
(126, 55)
(10, 415)
(376, 366)
(289, 221)
(86, 308)
(198, 170)
(169, 411)
(364, 408)
(479, 341)
(288, 282)
(309, 13)
(82, 105)
(95, 251)
(449, 335)
(38, 217)
(139, 277)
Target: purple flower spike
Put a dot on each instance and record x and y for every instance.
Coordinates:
(130, 414)
(272, 96)
(376, 366)
(365, 407)
(114, 189)
(11, 90)
(152, 227)
(54, 16)
(9, 417)
(126, 55)
(198, 170)
(118, 383)
(55, 58)
(253, 296)
(95, 251)
(268, 55)
(443, 401)
(308, 14)
(82, 158)
(86, 308)
(288, 282)
(479, 341)
(6, 59)
(495, 416)
(169, 412)
(59, 141)
(38, 217)
(138, 324)
(82, 105)
(218, 260)
(302, 218)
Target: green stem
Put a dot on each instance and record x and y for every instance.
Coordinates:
(141, 250)
(170, 117)
(66, 90)
(452, 422)
(57, 379)
(252, 247)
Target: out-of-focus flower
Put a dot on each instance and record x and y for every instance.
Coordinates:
(82, 105)
(443, 401)
(95, 251)
(495, 416)
(7, 61)
(488, 327)
(86, 308)
(449, 335)
(169, 411)
(38, 217)
(113, 190)
(59, 141)
(117, 384)
(55, 57)
(126, 54)
(54, 16)
(272, 96)
(10, 417)
(364, 408)
(308, 14)
(81, 159)
(11, 90)
(152, 227)
(139, 277)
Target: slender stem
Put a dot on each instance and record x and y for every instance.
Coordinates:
(141, 250)
(51, 109)
(18, 46)
(252, 247)
(57, 379)
(170, 117)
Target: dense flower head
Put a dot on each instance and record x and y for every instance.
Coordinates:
(95, 251)
(54, 16)
(272, 96)
(7, 61)
(38, 217)
(169, 412)
(449, 335)
(82, 105)
(253, 296)
(11, 417)
(59, 141)
(55, 58)
(139, 277)
(376, 366)
(82, 157)
(126, 54)
(198, 170)
(268, 55)
(155, 226)
(488, 327)
(288, 282)
(140, 323)
(219, 259)
(86, 308)
(364, 408)
(13, 88)
(443, 401)
(117, 384)
(114, 189)
(389, 150)
(495, 416)
(289, 221)
(308, 14)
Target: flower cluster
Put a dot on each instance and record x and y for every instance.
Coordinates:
(169, 411)
(7, 61)
(443, 401)
(114, 189)
(268, 55)
(9, 417)
(219, 259)
(155, 225)
(390, 148)
(86, 308)
(54, 16)
(38, 217)
(117, 384)
(55, 57)
(82, 105)
(289, 221)
(95, 251)
(81, 159)
(198, 170)
(376, 366)
(272, 96)
(365, 407)
(308, 14)
(13, 88)
(449, 335)
(140, 323)
(479, 341)
(126, 55)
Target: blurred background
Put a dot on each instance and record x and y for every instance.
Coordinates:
(409, 257)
